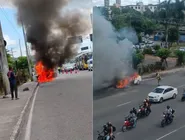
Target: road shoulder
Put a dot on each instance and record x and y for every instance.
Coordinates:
(12, 111)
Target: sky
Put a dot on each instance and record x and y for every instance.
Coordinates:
(12, 32)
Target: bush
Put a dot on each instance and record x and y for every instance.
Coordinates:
(156, 47)
(22, 76)
(180, 57)
(138, 57)
(148, 51)
(163, 53)
(150, 68)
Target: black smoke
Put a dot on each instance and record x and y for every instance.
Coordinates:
(48, 28)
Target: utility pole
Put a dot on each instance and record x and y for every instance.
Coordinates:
(20, 47)
(27, 53)
(12, 53)
(4, 65)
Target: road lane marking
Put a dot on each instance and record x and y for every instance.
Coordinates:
(123, 104)
(171, 132)
(118, 133)
(28, 127)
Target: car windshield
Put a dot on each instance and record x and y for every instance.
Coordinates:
(158, 90)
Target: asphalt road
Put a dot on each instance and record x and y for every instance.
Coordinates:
(63, 109)
(114, 108)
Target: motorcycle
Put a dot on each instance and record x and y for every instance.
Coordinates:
(127, 124)
(166, 120)
(142, 112)
(183, 97)
(102, 137)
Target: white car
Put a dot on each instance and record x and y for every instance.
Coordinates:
(161, 93)
(182, 49)
(69, 66)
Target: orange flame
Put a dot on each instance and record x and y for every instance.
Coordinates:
(124, 82)
(44, 75)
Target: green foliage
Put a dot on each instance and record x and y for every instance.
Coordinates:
(180, 57)
(22, 63)
(131, 18)
(163, 53)
(138, 58)
(139, 38)
(156, 47)
(148, 51)
(10, 60)
(173, 34)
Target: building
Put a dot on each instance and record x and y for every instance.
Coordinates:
(85, 46)
(106, 3)
(118, 2)
(140, 7)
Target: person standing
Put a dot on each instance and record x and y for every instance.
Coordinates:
(13, 83)
(158, 76)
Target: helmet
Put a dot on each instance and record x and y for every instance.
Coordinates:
(109, 124)
(104, 126)
(168, 107)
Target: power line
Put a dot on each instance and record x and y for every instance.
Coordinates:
(5, 15)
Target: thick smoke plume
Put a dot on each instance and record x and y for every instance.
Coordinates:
(112, 52)
(48, 27)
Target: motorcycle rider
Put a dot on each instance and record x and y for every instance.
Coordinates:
(132, 118)
(110, 131)
(134, 111)
(146, 104)
(105, 131)
(169, 112)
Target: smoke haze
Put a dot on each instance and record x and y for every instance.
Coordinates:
(48, 27)
(112, 52)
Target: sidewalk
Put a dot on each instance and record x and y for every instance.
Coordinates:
(162, 73)
(10, 110)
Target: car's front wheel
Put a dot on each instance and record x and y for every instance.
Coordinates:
(161, 100)
(174, 96)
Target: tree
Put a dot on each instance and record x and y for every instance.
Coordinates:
(163, 53)
(138, 58)
(22, 62)
(10, 60)
(173, 34)
(180, 57)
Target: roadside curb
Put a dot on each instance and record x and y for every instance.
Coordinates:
(162, 73)
(19, 123)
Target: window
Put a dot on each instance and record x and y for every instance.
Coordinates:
(84, 48)
(158, 90)
(138, 7)
(170, 89)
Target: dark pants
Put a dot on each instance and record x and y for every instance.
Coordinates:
(13, 88)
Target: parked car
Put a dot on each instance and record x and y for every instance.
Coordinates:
(69, 66)
(182, 49)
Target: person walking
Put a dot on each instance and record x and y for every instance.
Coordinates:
(158, 76)
(13, 83)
